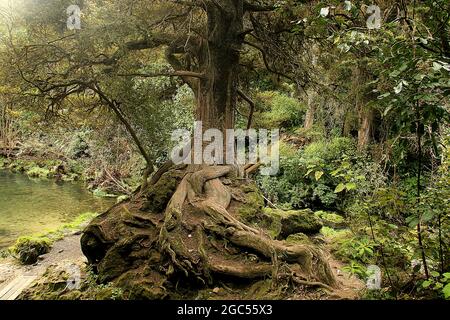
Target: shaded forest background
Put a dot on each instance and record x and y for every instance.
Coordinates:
(364, 114)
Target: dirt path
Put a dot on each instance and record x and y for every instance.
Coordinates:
(14, 278)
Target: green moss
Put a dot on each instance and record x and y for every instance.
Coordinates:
(333, 234)
(3, 162)
(159, 194)
(331, 219)
(44, 168)
(298, 238)
(38, 172)
(254, 202)
(122, 198)
(295, 221)
(28, 249)
(21, 165)
(263, 290)
(80, 221)
(103, 194)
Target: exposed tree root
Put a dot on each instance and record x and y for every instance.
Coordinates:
(200, 235)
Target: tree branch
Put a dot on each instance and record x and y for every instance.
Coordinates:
(180, 73)
(266, 63)
(252, 107)
(154, 41)
(114, 106)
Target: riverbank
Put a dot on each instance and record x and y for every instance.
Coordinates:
(13, 275)
(36, 205)
(61, 269)
(77, 156)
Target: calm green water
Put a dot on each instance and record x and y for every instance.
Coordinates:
(29, 206)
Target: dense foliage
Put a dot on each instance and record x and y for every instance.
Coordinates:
(364, 115)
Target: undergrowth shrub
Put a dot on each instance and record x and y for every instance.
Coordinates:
(321, 175)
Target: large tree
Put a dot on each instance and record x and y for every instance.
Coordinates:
(187, 219)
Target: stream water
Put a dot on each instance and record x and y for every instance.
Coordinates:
(29, 206)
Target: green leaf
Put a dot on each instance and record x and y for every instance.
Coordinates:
(412, 221)
(426, 283)
(427, 216)
(339, 188)
(434, 274)
(438, 285)
(308, 172)
(350, 186)
(436, 66)
(335, 172)
(398, 88)
(446, 291)
(318, 175)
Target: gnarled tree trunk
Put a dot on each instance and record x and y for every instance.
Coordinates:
(187, 226)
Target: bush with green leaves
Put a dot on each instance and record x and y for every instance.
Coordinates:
(278, 110)
(324, 174)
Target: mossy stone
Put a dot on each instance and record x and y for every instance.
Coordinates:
(298, 238)
(295, 221)
(28, 249)
(331, 219)
(254, 202)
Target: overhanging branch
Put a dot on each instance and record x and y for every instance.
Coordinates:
(252, 107)
(164, 74)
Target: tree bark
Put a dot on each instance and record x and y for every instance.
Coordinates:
(365, 112)
(310, 112)
(217, 91)
(365, 126)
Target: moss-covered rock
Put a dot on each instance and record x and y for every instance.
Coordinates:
(28, 249)
(143, 284)
(159, 194)
(253, 202)
(38, 172)
(53, 285)
(333, 234)
(295, 221)
(298, 238)
(331, 219)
